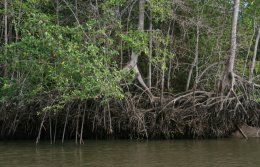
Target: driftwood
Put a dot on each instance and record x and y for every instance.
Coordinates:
(246, 131)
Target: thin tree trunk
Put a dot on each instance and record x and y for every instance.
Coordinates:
(16, 22)
(55, 129)
(82, 126)
(164, 65)
(64, 129)
(228, 75)
(40, 130)
(50, 127)
(6, 33)
(5, 22)
(189, 76)
(16, 31)
(132, 64)
(197, 55)
(121, 54)
(76, 8)
(251, 75)
(77, 126)
(157, 79)
(150, 53)
(163, 79)
(110, 120)
(141, 15)
(169, 75)
(195, 62)
(57, 12)
(249, 48)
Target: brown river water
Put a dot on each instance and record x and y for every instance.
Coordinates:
(125, 153)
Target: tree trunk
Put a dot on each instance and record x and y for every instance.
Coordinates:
(169, 75)
(132, 64)
(55, 129)
(5, 22)
(228, 75)
(64, 128)
(82, 127)
(141, 15)
(249, 47)
(197, 56)
(40, 129)
(77, 126)
(76, 8)
(6, 34)
(195, 62)
(150, 53)
(233, 44)
(163, 79)
(50, 124)
(252, 67)
(57, 12)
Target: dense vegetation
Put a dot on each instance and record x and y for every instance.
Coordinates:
(128, 68)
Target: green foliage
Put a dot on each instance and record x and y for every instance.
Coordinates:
(161, 9)
(112, 3)
(163, 51)
(50, 58)
(136, 40)
(52, 54)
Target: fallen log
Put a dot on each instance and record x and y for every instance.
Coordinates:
(248, 131)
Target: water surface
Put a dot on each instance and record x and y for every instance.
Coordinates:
(124, 153)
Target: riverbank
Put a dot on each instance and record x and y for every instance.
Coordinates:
(189, 115)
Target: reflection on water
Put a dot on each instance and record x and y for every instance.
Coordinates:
(179, 153)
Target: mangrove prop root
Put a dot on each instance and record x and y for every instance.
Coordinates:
(191, 114)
